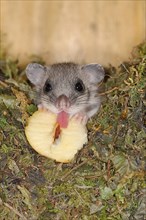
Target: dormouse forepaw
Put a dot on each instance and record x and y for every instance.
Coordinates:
(81, 118)
(42, 108)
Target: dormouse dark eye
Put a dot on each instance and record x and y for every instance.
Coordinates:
(79, 86)
(47, 87)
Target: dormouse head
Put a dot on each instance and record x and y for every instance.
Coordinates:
(65, 86)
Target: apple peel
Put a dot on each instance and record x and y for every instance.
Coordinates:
(40, 133)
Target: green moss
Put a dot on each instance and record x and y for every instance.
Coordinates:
(106, 179)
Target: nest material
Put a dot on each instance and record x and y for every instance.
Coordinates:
(106, 179)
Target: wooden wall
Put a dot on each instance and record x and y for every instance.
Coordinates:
(81, 31)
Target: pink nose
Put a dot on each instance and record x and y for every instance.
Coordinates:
(62, 102)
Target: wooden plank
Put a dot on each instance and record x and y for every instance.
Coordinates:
(80, 31)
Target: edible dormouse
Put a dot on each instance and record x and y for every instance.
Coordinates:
(67, 89)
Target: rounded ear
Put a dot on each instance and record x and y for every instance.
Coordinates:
(35, 73)
(94, 72)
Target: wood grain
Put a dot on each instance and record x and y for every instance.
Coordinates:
(80, 31)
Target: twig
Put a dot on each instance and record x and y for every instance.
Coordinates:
(3, 84)
(75, 168)
(15, 211)
(108, 169)
(109, 91)
(125, 67)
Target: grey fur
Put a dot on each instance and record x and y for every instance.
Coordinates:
(63, 77)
